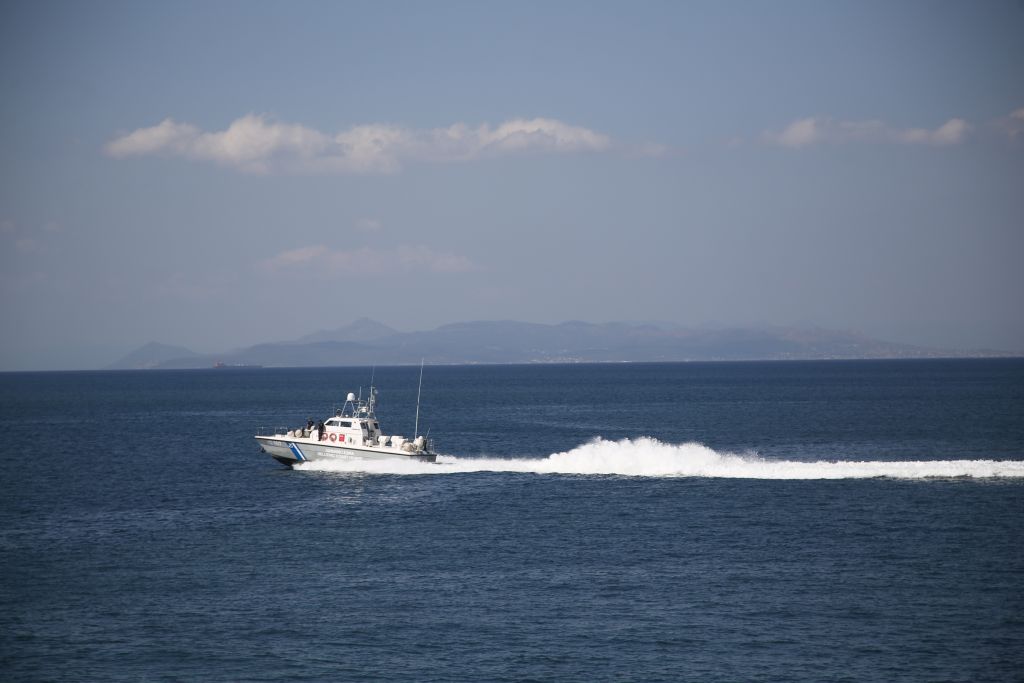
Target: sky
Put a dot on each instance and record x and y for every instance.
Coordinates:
(218, 174)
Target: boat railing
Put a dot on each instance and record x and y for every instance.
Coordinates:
(270, 431)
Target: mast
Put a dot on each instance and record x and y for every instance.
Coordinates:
(373, 393)
(416, 430)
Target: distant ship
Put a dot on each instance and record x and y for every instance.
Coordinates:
(232, 366)
(351, 433)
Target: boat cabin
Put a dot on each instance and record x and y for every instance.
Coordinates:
(361, 431)
(356, 425)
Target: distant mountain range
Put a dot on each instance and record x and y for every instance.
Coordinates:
(153, 355)
(362, 330)
(367, 342)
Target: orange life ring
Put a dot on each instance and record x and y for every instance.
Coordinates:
(333, 437)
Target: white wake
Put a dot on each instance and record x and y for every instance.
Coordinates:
(647, 457)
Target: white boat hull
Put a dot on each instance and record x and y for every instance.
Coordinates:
(290, 450)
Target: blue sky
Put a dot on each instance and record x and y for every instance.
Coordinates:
(218, 174)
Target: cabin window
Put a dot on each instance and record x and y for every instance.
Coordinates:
(344, 424)
(332, 423)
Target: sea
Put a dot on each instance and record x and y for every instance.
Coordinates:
(776, 521)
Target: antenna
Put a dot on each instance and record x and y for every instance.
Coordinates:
(416, 431)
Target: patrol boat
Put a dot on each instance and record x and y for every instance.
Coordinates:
(351, 433)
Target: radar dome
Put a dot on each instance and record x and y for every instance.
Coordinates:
(351, 397)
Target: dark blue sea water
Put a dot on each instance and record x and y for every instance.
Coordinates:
(810, 537)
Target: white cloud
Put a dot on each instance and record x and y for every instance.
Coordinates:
(167, 135)
(403, 259)
(541, 134)
(369, 225)
(1013, 125)
(294, 257)
(254, 143)
(815, 130)
(949, 133)
(799, 133)
(249, 143)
